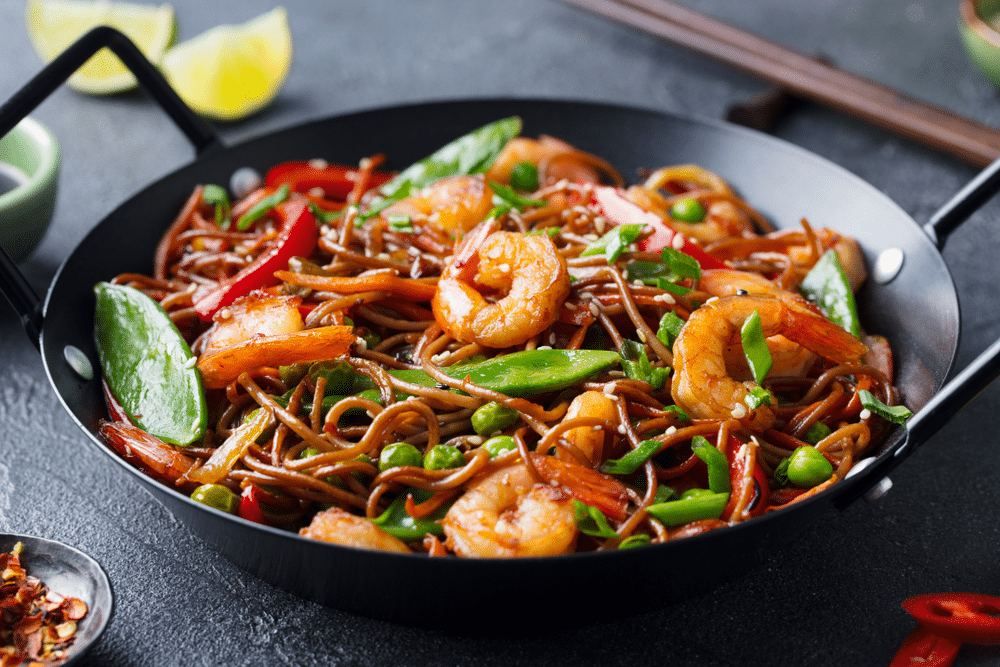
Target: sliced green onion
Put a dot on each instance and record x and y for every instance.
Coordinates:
(591, 521)
(681, 264)
(614, 242)
(718, 465)
(670, 328)
(638, 540)
(262, 207)
(399, 222)
(755, 347)
(632, 461)
(215, 195)
(757, 397)
(897, 414)
(692, 508)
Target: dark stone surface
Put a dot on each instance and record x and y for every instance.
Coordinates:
(832, 598)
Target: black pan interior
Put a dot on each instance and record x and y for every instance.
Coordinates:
(918, 312)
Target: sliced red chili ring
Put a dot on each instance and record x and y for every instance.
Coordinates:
(926, 649)
(961, 617)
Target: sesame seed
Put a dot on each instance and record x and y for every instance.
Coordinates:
(190, 363)
(600, 224)
(742, 451)
(625, 274)
(641, 334)
(317, 192)
(596, 428)
(621, 429)
(594, 310)
(569, 305)
(665, 298)
(712, 299)
(474, 440)
(544, 347)
(670, 431)
(865, 414)
(438, 358)
(739, 411)
(225, 314)
(562, 185)
(677, 243)
(318, 163)
(591, 237)
(361, 343)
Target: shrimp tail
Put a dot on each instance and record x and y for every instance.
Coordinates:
(586, 485)
(147, 452)
(822, 336)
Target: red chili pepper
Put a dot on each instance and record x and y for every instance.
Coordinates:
(336, 181)
(736, 476)
(926, 649)
(615, 207)
(250, 508)
(298, 237)
(960, 617)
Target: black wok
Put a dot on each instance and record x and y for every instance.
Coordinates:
(917, 311)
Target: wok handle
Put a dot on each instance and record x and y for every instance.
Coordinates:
(963, 204)
(53, 75)
(13, 284)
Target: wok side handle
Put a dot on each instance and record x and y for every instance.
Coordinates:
(13, 284)
(53, 75)
(954, 396)
(963, 204)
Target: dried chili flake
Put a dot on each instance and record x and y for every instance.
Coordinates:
(36, 625)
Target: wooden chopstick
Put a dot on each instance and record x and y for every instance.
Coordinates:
(806, 77)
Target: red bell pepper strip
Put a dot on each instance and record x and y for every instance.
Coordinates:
(250, 508)
(613, 205)
(298, 237)
(960, 617)
(335, 180)
(737, 477)
(923, 648)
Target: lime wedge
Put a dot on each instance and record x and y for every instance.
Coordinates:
(231, 71)
(53, 25)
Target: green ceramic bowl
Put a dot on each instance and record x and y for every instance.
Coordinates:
(29, 175)
(979, 26)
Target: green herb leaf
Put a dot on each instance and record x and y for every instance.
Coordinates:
(261, 208)
(591, 520)
(632, 461)
(897, 414)
(681, 415)
(614, 242)
(755, 347)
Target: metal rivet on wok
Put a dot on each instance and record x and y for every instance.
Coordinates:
(887, 265)
(79, 362)
(879, 490)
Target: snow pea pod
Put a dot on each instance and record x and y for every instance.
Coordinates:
(828, 287)
(472, 153)
(523, 373)
(148, 366)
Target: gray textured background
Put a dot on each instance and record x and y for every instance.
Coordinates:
(832, 599)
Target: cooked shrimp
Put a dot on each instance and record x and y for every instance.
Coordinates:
(340, 527)
(507, 515)
(554, 158)
(525, 281)
(453, 203)
(701, 383)
(147, 452)
(585, 439)
(789, 358)
(258, 313)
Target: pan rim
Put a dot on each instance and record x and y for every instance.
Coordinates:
(829, 496)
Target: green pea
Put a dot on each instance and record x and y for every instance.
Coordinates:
(339, 376)
(493, 417)
(217, 496)
(399, 454)
(499, 444)
(688, 210)
(307, 452)
(292, 375)
(524, 177)
(440, 457)
(807, 467)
